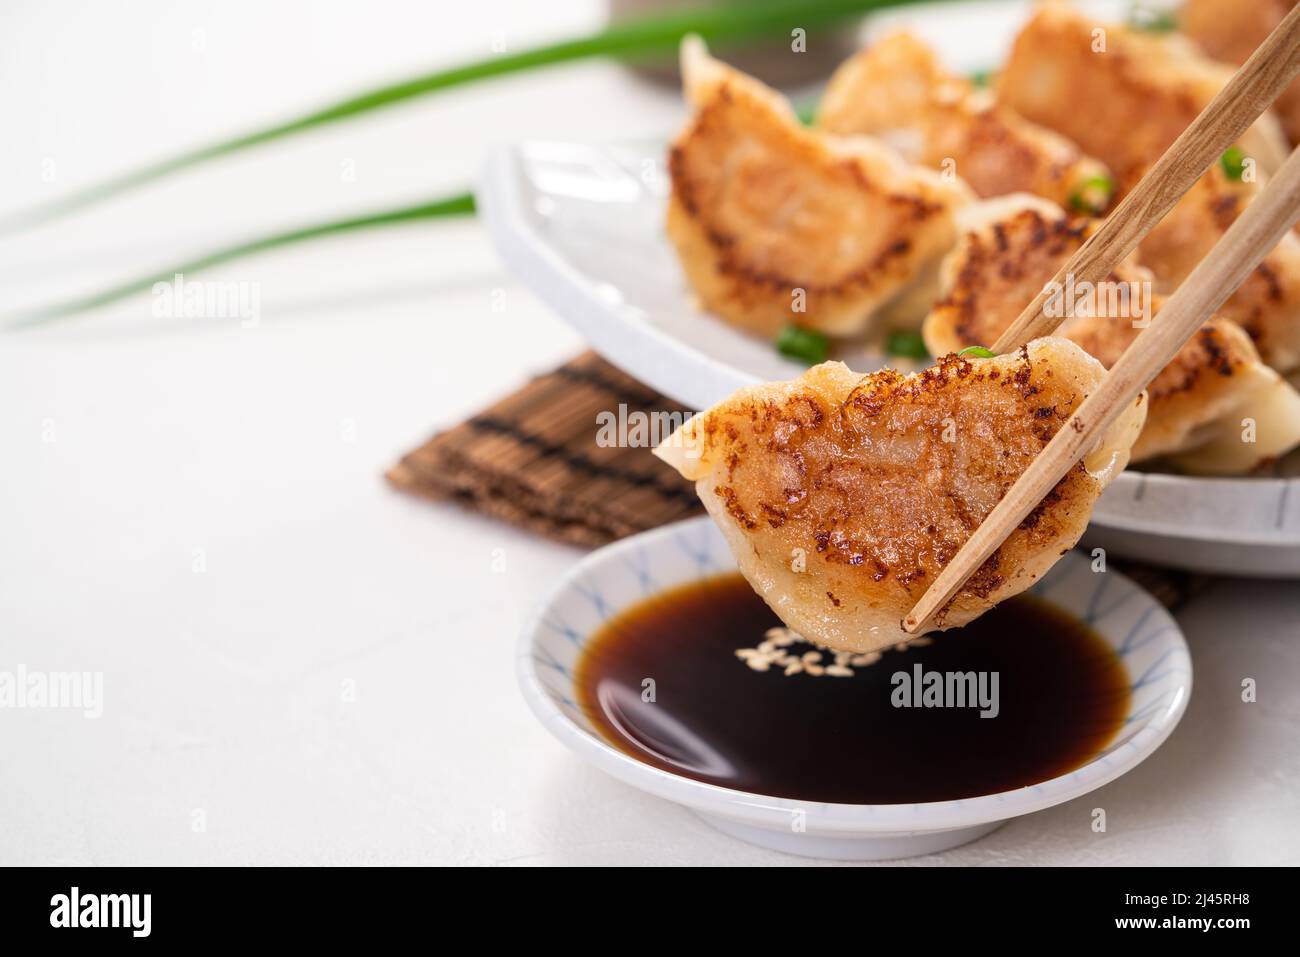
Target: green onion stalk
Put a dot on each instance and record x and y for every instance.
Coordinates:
(461, 205)
(640, 37)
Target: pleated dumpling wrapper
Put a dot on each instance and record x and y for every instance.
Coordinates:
(771, 219)
(1267, 304)
(1229, 31)
(1122, 94)
(843, 496)
(1215, 409)
(897, 91)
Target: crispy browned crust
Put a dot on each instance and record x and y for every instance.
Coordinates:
(1267, 304)
(996, 271)
(761, 207)
(878, 480)
(897, 90)
(1230, 30)
(1202, 383)
(1123, 103)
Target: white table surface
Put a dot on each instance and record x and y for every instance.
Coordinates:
(336, 683)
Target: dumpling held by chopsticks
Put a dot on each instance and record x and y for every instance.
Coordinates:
(843, 496)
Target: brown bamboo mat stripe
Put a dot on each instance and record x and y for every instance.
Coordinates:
(531, 459)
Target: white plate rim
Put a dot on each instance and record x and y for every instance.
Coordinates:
(569, 293)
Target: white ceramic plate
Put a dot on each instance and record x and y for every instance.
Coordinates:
(1140, 631)
(582, 226)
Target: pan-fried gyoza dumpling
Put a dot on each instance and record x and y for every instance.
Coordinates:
(1123, 95)
(896, 91)
(1197, 402)
(1267, 304)
(843, 496)
(773, 221)
(1230, 30)
(1201, 401)
(1260, 421)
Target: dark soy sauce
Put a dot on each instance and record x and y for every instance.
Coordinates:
(1062, 694)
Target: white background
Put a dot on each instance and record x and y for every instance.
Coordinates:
(128, 442)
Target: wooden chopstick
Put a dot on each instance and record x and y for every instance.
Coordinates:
(1216, 277)
(1248, 94)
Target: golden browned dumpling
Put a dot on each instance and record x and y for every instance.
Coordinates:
(1124, 96)
(896, 91)
(843, 496)
(1197, 403)
(774, 222)
(1230, 30)
(1121, 94)
(1267, 304)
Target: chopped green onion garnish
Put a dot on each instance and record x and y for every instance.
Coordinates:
(979, 352)
(1092, 195)
(805, 345)
(807, 113)
(1233, 162)
(981, 78)
(906, 343)
(1152, 19)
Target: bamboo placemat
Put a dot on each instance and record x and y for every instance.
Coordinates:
(532, 459)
